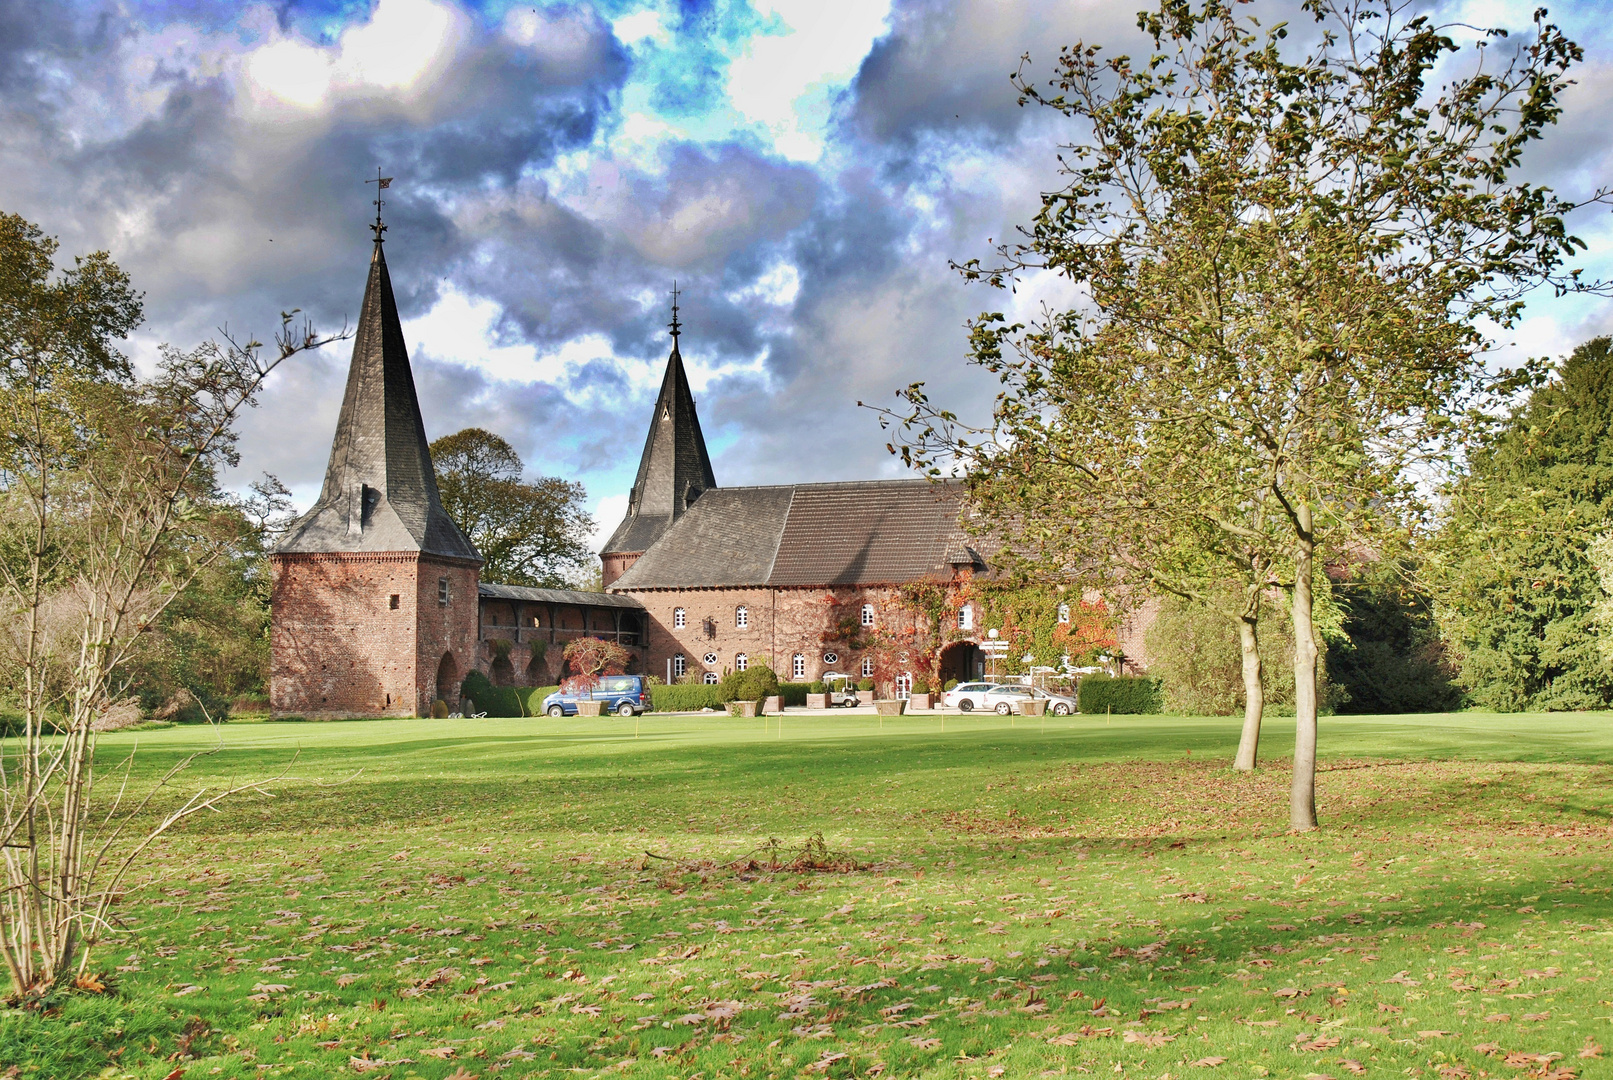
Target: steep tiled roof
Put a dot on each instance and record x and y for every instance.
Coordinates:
(556, 596)
(859, 533)
(380, 491)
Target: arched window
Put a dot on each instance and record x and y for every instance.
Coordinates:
(868, 667)
(742, 616)
(680, 618)
(1064, 613)
(741, 662)
(868, 614)
(798, 667)
(966, 617)
(711, 678)
(678, 666)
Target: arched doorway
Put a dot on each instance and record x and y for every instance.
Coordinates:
(502, 671)
(961, 661)
(446, 688)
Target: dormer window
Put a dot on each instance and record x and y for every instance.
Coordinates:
(742, 616)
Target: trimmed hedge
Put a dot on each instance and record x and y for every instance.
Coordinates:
(1130, 694)
(756, 683)
(686, 697)
(794, 693)
(501, 701)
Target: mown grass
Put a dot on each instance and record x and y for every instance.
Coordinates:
(531, 898)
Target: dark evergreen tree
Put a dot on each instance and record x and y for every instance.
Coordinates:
(1515, 588)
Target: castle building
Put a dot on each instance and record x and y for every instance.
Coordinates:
(807, 578)
(377, 607)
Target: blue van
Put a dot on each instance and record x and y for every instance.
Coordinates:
(624, 695)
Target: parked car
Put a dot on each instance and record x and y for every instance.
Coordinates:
(842, 691)
(625, 695)
(967, 696)
(1007, 699)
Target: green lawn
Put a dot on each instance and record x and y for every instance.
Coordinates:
(506, 898)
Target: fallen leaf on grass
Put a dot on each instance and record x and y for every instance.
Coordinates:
(1290, 992)
(1537, 1017)
(1434, 1034)
(347, 979)
(1153, 1042)
(91, 982)
(369, 1064)
(1321, 1042)
(188, 989)
(1591, 1049)
(1209, 1062)
(922, 1043)
(1498, 1018)
(442, 1053)
(1453, 1072)
(1562, 1072)
(823, 1063)
(1353, 1066)
(461, 1074)
(996, 1070)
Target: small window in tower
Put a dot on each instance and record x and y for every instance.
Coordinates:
(442, 591)
(741, 662)
(798, 667)
(868, 667)
(392, 601)
(677, 666)
(742, 616)
(868, 614)
(680, 618)
(1064, 613)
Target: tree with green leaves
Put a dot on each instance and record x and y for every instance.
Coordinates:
(529, 532)
(1516, 583)
(1289, 255)
(110, 510)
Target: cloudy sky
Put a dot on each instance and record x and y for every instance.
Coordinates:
(803, 168)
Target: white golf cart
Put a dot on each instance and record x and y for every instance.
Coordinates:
(841, 689)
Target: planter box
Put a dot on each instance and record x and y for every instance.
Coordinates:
(920, 701)
(742, 708)
(773, 705)
(817, 701)
(590, 708)
(891, 708)
(1033, 707)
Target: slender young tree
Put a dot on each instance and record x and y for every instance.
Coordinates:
(109, 510)
(1290, 255)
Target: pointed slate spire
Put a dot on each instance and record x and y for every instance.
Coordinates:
(380, 490)
(675, 468)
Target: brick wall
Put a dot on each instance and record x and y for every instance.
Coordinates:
(338, 646)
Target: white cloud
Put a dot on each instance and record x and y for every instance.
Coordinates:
(608, 513)
(786, 82)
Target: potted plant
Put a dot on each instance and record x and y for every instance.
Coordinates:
(591, 658)
(773, 704)
(866, 686)
(920, 697)
(817, 695)
(1033, 707)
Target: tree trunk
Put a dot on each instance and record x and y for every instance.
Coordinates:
(1254, 690)
(1302, 799)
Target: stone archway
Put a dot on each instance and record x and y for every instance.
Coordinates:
(502, 671)
(446, 688)
(961, 661)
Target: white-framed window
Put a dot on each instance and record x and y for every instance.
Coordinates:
(680, 618)
(741, 662)
(442, 591)
(868, 667)
(1064, 613)
(711, 678)
(678, 666)
(868, 614)
(798, 667)
(742, 616)
(709, 659)
(904, 686)
(966, 617)
(831, 658)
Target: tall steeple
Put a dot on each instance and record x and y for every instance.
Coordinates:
(380, 490)
(675, 468)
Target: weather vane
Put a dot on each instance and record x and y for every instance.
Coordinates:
(381, 184)
(675, 324)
